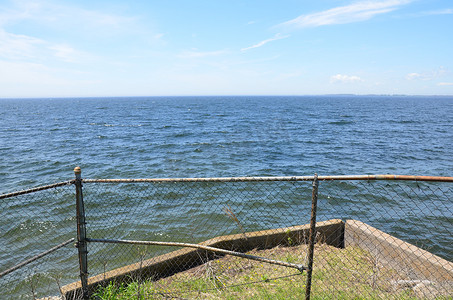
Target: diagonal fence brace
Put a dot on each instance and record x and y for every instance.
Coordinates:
(36, 257)
(299, 267)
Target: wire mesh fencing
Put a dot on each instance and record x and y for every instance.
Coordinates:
(392, 229)
(227, 215)
(37, 256)
(217, 238)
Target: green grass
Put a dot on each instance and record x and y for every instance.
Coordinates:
(350, 273)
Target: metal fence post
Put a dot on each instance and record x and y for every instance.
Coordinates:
(311, 246)
(81, 233)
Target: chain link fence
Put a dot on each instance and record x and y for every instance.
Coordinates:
(163, 238)
(391, 230)
(37, 256)
(189, 212)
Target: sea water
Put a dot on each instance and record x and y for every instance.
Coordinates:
(42, 140)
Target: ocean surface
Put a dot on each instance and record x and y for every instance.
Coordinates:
(42, 140)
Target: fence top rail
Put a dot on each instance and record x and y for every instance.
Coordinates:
(36, 189)
(388, 177)
(281, 178)
(238, 179)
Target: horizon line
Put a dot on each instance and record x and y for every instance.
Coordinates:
(232, 95)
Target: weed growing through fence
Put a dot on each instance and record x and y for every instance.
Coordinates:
(229, 212)
(290, 240)
(339, 273)
(33, 285)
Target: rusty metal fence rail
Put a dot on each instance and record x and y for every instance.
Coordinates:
(373, 237)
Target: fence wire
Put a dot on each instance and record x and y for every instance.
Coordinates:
(190, 212)
(31, 223)
(384, 220)
(375, 239)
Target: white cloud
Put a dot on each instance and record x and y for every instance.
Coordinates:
(278, 36)
(413, 76)
(356, 12)
(341, 78)
(445, 84)
(440, 72)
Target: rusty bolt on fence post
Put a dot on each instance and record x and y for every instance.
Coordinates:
(311, 246)
(81, 233)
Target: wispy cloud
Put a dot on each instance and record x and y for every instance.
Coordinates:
(278, 36)
(159, 36)
(67, 53)
(70, 15)
(71, 24)
(286, 76)
(18, 46)
(67, 17)
(356, 12)
(414, 76)
(341, 78)
(26, 73)
(447, 11)
(427, 75)
(445, 84)
(201, 54)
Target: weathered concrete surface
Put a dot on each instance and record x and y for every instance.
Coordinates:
(407, 259)
(330, 232)
(425, 269)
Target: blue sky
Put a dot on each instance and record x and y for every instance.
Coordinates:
(247, 47)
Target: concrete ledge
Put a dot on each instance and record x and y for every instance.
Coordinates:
(330, 232)
(416, 263)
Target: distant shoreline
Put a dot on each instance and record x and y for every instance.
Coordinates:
(224, 96)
